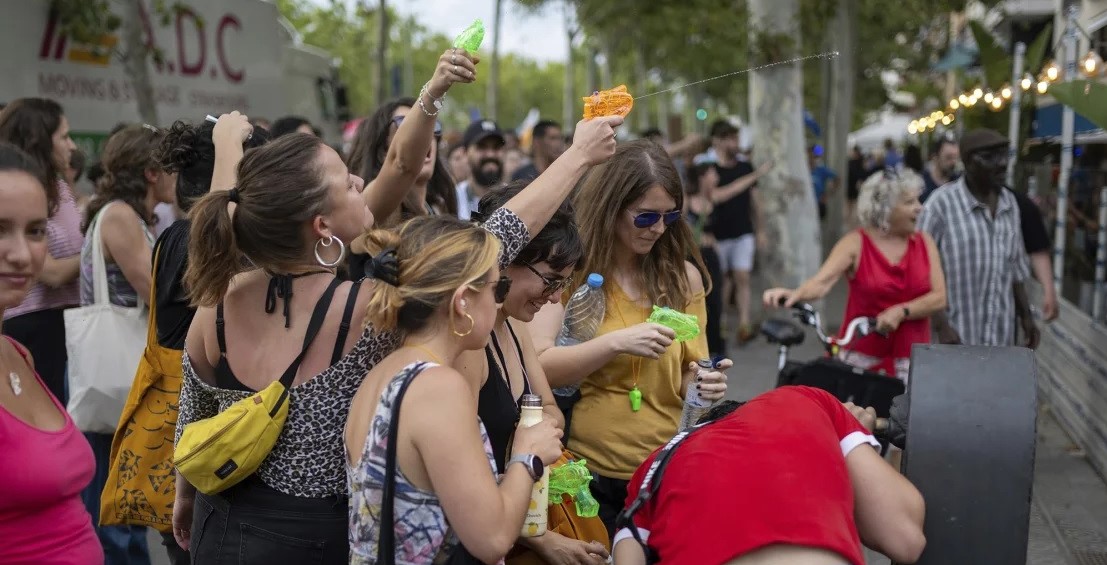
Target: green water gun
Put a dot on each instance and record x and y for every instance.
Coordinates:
(471, 38)
(572, 479)
(686, 326)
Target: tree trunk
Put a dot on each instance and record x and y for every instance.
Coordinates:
(136, 54)
(643, 114)
(789, 218)
(592, 69)
(382, 52)
(494, 75)
(840, 118)
(568, 107)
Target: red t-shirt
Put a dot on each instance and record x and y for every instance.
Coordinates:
(773, 472)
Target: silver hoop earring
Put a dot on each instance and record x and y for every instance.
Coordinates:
(327, 242)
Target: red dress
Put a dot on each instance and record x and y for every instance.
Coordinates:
(878, 285)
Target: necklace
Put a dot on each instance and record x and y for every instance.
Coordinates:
(13, 380)
(634, 394)
(429, 353)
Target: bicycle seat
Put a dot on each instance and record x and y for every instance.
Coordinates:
(783, 332)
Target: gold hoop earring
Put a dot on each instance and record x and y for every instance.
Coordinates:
(472, 324)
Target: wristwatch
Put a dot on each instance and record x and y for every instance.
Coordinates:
(533, 464)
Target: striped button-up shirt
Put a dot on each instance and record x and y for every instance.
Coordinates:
(982, 256)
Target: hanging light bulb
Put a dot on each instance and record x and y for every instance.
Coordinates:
(1006, 92)
(977, 92)
(997, 103)
(970, 102)
(936, 115)
(1027, 82)
(1052, 71)
(1043, 86)
(947, 120)
(988, 97)
(964, 99)
(1091, 64)
(913, 128)
(954, 104)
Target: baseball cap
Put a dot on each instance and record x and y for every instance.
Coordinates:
(980, 139)
(480, 130)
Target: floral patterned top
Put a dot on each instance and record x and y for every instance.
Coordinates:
(423, 535)
(308, 458)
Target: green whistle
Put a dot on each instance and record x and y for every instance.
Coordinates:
(686, 326)
(635, 399)
(471, 38)
(572, 479)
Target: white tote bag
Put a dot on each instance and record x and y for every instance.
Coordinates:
(105, 343)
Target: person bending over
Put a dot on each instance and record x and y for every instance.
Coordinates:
(786, 479)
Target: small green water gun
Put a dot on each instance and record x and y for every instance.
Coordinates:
(686, 326)
(471, 38)
(572, 479)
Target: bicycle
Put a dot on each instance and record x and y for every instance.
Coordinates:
(846, 382)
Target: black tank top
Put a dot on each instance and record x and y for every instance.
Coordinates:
(496, 405)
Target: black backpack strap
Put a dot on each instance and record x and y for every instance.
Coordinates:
(649, 488)
(522, 359)
(344, 328)
(316, 322)
(386, 545)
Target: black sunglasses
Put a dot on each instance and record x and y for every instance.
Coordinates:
(397, 120)
(553, 284)
(647, 219)
(503, 285)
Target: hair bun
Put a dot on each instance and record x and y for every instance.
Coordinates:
(178, 150)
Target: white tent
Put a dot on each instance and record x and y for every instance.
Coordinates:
(872, 136)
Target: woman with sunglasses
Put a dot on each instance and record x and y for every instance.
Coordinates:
(440, 290)
(508, 367)
(629, 210)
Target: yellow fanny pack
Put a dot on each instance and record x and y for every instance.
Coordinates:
(217, 453)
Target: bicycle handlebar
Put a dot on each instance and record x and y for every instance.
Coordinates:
(808, 315)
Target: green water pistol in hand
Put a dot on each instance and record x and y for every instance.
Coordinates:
(572, 479)
(686, 326)
(471, 38)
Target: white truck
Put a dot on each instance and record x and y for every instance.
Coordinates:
(218, 56)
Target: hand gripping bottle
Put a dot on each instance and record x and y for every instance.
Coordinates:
(694, 404)
(537, 511)
(583, 316)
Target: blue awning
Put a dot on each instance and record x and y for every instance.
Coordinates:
(1047, 122)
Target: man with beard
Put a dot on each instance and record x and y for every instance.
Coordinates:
(976, 225)
(942, 168)
(484, 146)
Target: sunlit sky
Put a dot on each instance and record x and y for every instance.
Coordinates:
(538, 36)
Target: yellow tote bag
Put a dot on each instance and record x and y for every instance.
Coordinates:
(140, 486)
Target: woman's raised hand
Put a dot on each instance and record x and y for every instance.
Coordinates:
(454, 66)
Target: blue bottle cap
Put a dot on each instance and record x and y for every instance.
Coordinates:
(595, 280)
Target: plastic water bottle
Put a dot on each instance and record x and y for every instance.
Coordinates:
(694, 404)
(583, 315)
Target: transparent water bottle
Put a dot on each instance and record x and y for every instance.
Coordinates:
(694, 404)
(583, 315)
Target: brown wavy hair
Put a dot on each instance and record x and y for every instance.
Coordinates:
(435, 256)
(605, 194)
(29, 124)
(281, 188)
(126, 158)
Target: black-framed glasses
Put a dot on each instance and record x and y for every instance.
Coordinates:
(503, 286)
(644, 220)
(397, 120)
(553, 284)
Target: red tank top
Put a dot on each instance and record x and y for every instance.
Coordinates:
(878, 285)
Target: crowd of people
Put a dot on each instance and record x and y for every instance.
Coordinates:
(335, 288)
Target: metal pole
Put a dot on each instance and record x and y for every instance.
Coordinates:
(1067, 118)
(1101, 260)
(1016, 113)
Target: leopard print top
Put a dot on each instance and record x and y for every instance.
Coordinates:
(308, 459)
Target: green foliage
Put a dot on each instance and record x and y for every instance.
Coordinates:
(993, 58)
(90, 21)
(1085, 97)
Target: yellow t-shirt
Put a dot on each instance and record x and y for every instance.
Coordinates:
(614, 439)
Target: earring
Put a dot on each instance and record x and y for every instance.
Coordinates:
(327, 242)
(463, 303)
(472, 324)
